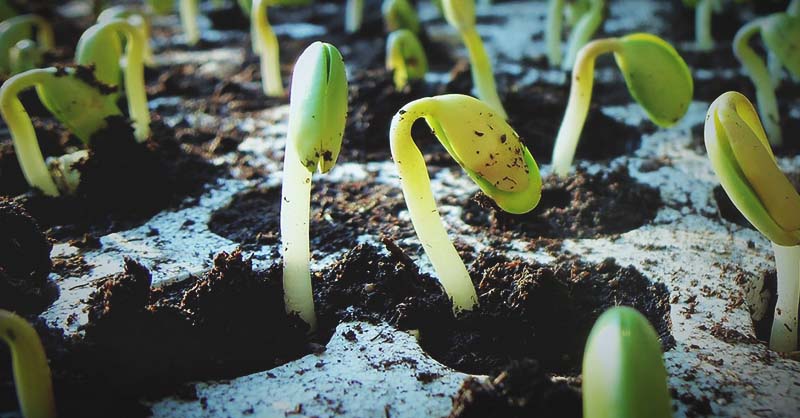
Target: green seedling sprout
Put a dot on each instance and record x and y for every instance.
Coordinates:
(488, 150)
(399, 14)
(80, 106)
(189, 13)
(137, 18)
(317, 114)
(583, 31)
(656, 76)
(100, 47)
(781, 35)
(623, 372)
(25, 55)
(461, 15)
(552, 34)
(743, 161)
(29, 363)
(19, 28)
(703, 9)
(406, 57)
(354, 15)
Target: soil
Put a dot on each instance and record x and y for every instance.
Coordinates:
(581, 205)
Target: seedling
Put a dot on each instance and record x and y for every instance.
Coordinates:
(100, 47)
(19, 28)
(743, 161)
(703, 10)
(488, 150)
(781, 35)
(590, 19)
(161, 7)
(399, 14)
(25, 55)
(28, 361)
(461, 15)
(188, 10)
(623, 373)
(656, 76)
(136, 17)
(406, 57)
(317, 114)
(82, 107)
(354, 15)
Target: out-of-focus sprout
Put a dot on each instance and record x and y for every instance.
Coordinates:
(583, 31)
(781, 35)
(19, 28)
(82, 107)
(161, 7)
(29, 363)
(100, 47)
(399, 14)
(703, 9)
(743, 161)
(7, 11)
(552, 33)
(25, 55)
(461, 15)
(136, 17)
(317, 114)
(406, 57)
(354, 15)
(189, 13)
(623, 372)
(656, 76)
(488, 150)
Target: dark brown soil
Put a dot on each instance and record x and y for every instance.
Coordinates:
(581, 205)
(24, 261)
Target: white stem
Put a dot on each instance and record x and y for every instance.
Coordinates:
(188, 13)
(784, 327)
(353, 15)
(295, 212)
(555, 15)
(269, 50)
(702, 25)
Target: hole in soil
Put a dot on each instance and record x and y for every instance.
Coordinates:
(581, 205)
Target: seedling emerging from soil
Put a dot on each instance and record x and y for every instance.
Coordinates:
(188, 10)
(317, 114)
(82, 107)
(399, 14)
(742, 158)
(461, 15)
(490, 152)
(781, 35)
(591, 16)
(29, 363)
(354, 15)
(702, 21)
(623, 373)
(406, 57)
(20, 28)
(136, 17)
(656, 76)
(100, 47)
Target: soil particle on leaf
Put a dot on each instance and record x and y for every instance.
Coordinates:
(581, 205)
(542, 312)
(520, 390)
(24, 261)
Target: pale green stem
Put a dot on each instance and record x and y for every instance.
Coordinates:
(354, 13)
(759, 74)
(583, 32)
(268, 49)
(784, 327)
(425, 216)
(482, 74)
(32, 377)
(295, 213)
(775, 67)
(44, 34)
(794, 8)
(702, 25)
(400, 70)
(135, 90)
(555, 17)
(189, 14)
(25, 55)
(580, 96)
(26, 145)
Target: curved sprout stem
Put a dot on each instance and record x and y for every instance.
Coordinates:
(354, 15)
(295, 212)
(189, 13)
(555, 17)
(268, 49)
(759, 74)
(702, 25)
(783, 337)
(422, 207)
(482, 74)
(583, 32)
(26, 144)
(580, 96)
(31, 372)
